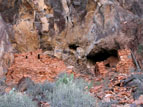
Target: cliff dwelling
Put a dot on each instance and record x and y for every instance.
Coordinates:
(111, 60)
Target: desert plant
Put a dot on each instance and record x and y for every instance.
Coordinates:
(15, 99)
(38, 91)
(65, 92)
(70, 92)
(65, 79)
(140, 49)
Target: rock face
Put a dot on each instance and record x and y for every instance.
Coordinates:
(6, 56)
(74, 28)
(9, 9)
(25, 38)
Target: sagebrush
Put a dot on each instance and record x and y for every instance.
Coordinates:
(65, 92)
(15, 99)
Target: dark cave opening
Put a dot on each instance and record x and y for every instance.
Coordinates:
(101, 55)
(73, 46)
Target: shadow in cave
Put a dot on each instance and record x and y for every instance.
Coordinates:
(101, 55)
(73, 46)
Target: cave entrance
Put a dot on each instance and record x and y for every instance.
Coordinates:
(109, 57)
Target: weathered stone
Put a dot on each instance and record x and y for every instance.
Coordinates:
(9, 9)
(134, 82)
(45, 24)
(6, 56)
(134, 6)
(92, 25)
(25, 83)
(26, 37)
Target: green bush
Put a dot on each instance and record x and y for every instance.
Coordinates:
(140, 49)
(65, 92)
(14, 99)
(70, 92)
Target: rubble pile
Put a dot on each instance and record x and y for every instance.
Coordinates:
(35, 65)
(118, 92)
(110, 87)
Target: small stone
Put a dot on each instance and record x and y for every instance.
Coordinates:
(45, 24)
(49, 15)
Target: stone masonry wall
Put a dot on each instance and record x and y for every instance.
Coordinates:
(125, 63)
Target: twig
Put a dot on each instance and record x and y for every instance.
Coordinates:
(135, 61)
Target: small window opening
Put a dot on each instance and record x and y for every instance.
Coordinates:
(73, 46)
(107, 65)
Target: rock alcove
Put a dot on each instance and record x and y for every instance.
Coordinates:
(108, 57)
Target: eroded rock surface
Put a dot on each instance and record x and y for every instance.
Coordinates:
(79, 32)
(74, 29)
(9, 9)
(6, 56)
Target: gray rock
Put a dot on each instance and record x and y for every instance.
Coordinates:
(5, 48)
(135, 82)
(24, 84)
